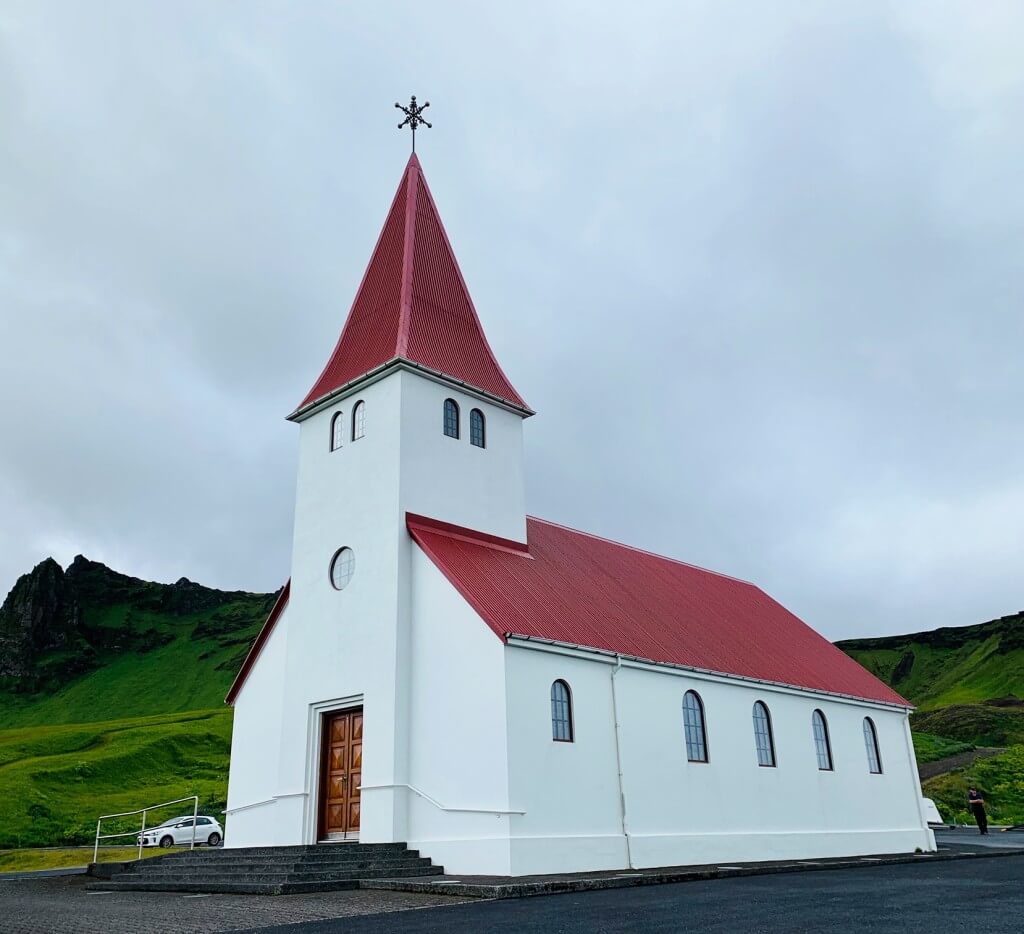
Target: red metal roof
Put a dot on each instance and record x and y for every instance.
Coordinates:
(413, 305)
(571, 587)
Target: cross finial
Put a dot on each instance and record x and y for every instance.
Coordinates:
(413, 118)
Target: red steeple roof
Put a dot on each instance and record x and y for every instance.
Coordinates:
(413, 305)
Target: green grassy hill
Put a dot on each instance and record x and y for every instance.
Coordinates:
(967, 683)
(55, 780)
(966, 665)
(80, 645)
(111, 696)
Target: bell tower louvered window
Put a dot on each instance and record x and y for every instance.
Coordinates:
(359, 421)
(337, 430)
(477, 429)
(451, 418)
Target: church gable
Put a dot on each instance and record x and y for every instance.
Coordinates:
(256, 649)
(577, 589)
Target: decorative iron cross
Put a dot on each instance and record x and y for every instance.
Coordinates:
(413, 118)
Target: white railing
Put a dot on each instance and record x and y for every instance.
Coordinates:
(131, 833)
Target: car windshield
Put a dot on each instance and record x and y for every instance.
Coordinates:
(173, 820)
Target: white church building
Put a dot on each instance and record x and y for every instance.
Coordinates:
(507, 695)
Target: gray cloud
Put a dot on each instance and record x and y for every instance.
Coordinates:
(758, 268)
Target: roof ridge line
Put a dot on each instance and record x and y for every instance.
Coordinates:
(412, 176)
(645, 551)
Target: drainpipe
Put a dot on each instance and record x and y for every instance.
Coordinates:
(618, 764)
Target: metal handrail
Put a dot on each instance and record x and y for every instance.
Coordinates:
(152, 807)
(438, 804)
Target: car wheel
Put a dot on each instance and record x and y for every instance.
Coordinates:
(214, 839)
(167, 841)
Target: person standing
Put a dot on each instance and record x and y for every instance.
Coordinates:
(977, 804)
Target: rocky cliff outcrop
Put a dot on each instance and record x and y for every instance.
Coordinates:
(57, 624)
(40, 614)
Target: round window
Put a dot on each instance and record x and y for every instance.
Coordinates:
(343, 566)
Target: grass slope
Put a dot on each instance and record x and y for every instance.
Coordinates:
(1000, 779)
(978, 724)
(931, 748)
(191, 670)
(33, 860)
(966, 665)
(159, 658)
(56, 780)
(966, 683)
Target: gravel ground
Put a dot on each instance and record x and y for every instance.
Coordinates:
(61, 905)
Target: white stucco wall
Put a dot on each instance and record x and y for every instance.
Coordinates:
(458, 750)
(568, 790)
(255, 737)
(453, 480)
(679, 812)
(342, 644)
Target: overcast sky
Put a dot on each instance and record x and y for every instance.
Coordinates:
(758, 267)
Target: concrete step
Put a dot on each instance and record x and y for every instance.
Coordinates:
(211, 852)
(269, 884)
(227, 858)
(277, 874)
(269, 870)
(225, 888)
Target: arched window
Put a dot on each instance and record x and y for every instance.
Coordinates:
(561, 712)
(693, 727)
(763, 739)
(359, 420)
(871, 744)
(822, 746)
(337, 430)
(451, 418)
(476, 429)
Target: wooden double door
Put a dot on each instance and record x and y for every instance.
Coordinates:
(342, 772)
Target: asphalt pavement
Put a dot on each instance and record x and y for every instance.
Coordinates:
(981, 896)
(969, 836)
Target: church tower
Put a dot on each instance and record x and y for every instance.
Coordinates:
(413, 325)
(412, 415)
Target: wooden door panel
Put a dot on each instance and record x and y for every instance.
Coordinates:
(342, 772)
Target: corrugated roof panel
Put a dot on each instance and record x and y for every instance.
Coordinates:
(582, 590)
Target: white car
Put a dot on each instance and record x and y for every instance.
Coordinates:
(178, 832)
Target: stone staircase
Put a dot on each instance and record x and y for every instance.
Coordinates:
(270, 870)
